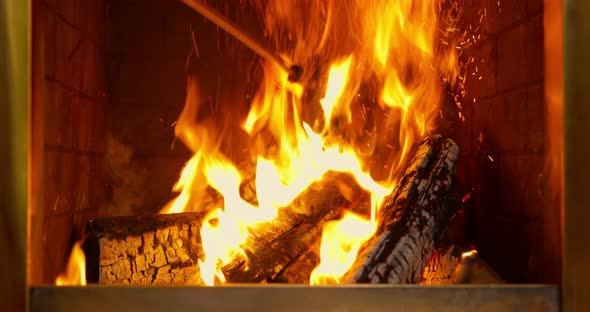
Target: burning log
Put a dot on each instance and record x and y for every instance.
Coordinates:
(295, 230)
(411, 219)
(421, 196)
(145, 250)
(165, 248)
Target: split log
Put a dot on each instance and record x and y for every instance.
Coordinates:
(145, 250)
(411, 219)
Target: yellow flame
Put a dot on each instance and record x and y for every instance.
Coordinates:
(341, 241)
(390, 47)
(469, 254)
(336, 84)
(75, 273)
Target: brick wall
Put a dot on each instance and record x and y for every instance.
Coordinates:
(502, 156)
(151, 52)
(68, 128)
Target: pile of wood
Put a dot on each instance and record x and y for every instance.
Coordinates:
(165, 249)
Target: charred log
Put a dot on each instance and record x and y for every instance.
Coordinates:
(278, 243)
(412, 219)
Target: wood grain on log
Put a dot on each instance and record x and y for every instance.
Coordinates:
(145, 250)
(411, 219)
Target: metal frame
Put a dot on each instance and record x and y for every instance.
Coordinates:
(15, 32)
(576, 237)
(14, 119)
(298, 298)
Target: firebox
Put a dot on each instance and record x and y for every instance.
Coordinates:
(269, 154)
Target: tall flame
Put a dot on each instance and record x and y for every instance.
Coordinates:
(75, 273)
(381, 93)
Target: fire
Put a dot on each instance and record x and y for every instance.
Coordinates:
(75, 273)
(340, 243)
(390, 47)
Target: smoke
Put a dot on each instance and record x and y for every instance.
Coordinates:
(125, 178)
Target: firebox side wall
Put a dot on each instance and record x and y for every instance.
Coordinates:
(503, 143)
(67, 136)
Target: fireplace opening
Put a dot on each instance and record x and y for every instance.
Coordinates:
(414, 148)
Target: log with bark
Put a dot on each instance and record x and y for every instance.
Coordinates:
(411, 219)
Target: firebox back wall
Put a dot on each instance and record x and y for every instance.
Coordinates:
(146, 44)
(502, 139)
(515, 222)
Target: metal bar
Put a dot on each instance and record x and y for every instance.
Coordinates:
(576, 115)
(235, 31)
(14, 139)
(297, 298)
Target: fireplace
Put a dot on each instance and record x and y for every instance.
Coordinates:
(109, 82)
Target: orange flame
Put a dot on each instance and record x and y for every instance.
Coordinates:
(392, 48)
(75, 273)
(341, 241)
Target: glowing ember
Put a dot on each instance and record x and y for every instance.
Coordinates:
(75, 273)
(406, 50)
(469, 254)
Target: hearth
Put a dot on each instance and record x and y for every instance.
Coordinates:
(420, 147)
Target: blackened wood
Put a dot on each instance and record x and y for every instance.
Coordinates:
(272, 246)
(411, 219)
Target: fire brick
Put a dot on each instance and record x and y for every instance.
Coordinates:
(57, 237)
(58, 116)
(484, 66)
(536, 118)
(520, 55)
(502, 14)
(91, 19)
(67, 55)
(534, 6)
(522, 186)
(485, 179)
(512, 245)
(65, 8)
(59, 179)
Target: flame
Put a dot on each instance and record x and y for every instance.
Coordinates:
(401, 52)
(75, 273)
(335, 87)
(341, 241)
(469, 254)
